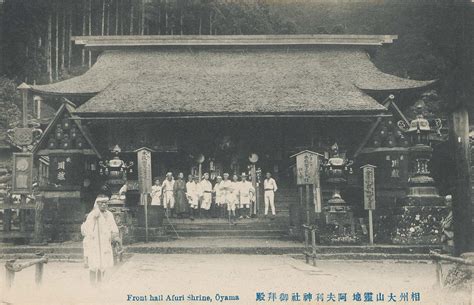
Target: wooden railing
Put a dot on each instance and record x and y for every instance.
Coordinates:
(12, 266)
(8, 206)
(438, 258)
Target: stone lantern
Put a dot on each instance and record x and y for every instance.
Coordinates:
(422, 209)
(420, 183)
(338, 216)
(336, 169)
(115, 170)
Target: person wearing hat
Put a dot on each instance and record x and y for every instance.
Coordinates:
(225, 186)
(218, 200)
(247, 195)
(192, 194)
(156, 192)
(168, 193)
(233, 197)
(99, 231)
(205, 187)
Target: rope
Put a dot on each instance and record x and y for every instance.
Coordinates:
(169, 222)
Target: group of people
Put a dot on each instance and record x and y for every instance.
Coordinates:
(229, 197)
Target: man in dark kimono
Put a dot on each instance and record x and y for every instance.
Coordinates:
(181, 203)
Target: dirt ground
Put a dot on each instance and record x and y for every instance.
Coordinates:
(232, 276)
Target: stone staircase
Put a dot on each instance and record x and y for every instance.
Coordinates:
(255, 228)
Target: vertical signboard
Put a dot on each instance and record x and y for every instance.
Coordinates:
(307, 173)
(144, 170)
(144, 180)
(307, 165)
(369, 186)
(369, 196)
(317, 187)
(22, 173)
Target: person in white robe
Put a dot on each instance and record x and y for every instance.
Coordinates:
(225, 187)
(233, 195)
(192, 194)
(218, 201)
(168, 194)
(156, 192)
(247, 195)
(100, 230)
(206, 194)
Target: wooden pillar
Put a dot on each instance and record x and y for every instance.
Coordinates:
(313, 245)
(308, 216)
(24, 89)
(9, 274)
(7, 220)
(462, 206)
(39, 267)
(253, 174)
(38, 237)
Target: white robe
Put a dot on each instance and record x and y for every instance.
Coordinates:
(98, 232)
(156, 191)
(192, 193)
(206, 193)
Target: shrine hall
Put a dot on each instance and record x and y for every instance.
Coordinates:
(242, 104)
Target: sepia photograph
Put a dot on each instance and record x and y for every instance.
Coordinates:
(236, 152)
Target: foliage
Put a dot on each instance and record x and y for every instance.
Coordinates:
(426, 48)
(10, 115)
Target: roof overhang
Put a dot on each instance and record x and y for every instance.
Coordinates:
(290, 76)
(146, 116)
(117, 42)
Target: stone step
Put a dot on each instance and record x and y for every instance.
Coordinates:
(381, 249)
(222, 223)
(264, 250)
(229, 233)
(226, 227)
(45, 249)
(52, 257)
(416, 257)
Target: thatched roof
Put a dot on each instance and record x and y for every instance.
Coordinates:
(186, 81)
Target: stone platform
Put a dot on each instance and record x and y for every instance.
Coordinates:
(72, 251)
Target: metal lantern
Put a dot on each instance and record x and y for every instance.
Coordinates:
(419, 131)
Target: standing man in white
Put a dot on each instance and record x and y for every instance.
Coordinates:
(270, 187)
(168, 194)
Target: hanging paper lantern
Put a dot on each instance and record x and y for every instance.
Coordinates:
(52, 143)
(66, 142)
(404, 141)
(391, 141)
(73, 133)
(66, 123)
(59, 133)
(376, 142)
(79, 142)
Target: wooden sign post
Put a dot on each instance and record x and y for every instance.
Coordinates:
(253, 158)
(307, 174)
(144, 180)
(369, 196)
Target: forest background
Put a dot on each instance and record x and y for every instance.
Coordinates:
(36, 47)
